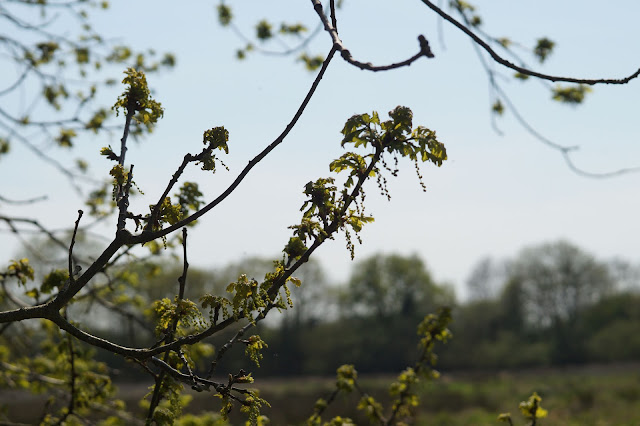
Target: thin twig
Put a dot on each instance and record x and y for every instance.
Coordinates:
(520, 69)
(73, 242)
(119, 309)
(72, 383)
(425, 50)
(27, 201)
(334, 18)
(564, 150)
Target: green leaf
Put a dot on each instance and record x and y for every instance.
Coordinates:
(137, 99)
(295, 29)
(82, 55)
(190, 197)
(311, 63)
(21, 269)
(224, 15)
(571, 95)
(5, 146)
(108, 152)
(263, 30)
(543, 49)
(65, 138)
(504, 42)
(54, 279)
(505, 417)
(295, 248)
(531, 407)
(497, 107)
(346, 377)
(217, 138)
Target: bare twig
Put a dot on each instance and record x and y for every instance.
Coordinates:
(520, 69)
(46, 158)
(38, 225)
(119, 309)
(286, 51)
(334, 18)
(72, 383)
(425, 50)
(11, 298)
(185, 265)
(564, 150)
(27, 201)
(73, 242)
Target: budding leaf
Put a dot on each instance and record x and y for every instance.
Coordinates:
(543, 49)
(571, 95)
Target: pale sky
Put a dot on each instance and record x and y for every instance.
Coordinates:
(495, 194)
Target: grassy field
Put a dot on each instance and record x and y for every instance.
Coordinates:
(588, 396)
(580, 396)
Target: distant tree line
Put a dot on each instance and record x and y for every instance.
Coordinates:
(552, 304)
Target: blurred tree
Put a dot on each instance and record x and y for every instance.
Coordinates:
(384, 296)
(512, 301)
(385, 286)
(613, 325)
(557, 280)
(625, 274)
(485, 280)
(554, 282)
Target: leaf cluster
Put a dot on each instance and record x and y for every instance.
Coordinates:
(395, 136)
(216, 138)
(19, 269)
(543, 49)
(530, 409)
(181, 313)
(571, 95)
(311, 63)
(137, 102)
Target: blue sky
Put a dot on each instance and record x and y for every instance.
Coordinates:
(495, 195)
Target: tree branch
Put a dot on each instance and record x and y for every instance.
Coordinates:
(517, 68)
(149, 236)
(425, 50)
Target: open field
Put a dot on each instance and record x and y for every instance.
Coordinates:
(585, 396)
(577, 396)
